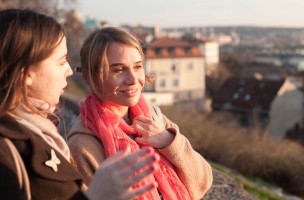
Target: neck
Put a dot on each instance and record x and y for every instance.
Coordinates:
(121, 111)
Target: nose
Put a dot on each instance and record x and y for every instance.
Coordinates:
(69, 70)
(131, 77)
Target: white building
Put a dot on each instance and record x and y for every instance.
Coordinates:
(179, 67)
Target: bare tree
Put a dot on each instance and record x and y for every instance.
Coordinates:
(52, 7)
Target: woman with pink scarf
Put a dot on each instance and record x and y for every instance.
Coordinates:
(116, 116)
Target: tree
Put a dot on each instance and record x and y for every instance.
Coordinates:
(52, 7)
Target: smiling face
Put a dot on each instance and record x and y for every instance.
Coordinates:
(47, 79)
(126, 78)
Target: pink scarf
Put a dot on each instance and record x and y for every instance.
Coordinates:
(112, 132)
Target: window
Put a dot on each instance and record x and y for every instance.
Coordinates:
(171, 51)
(162, 83)
(235, 96)
(190, 66)
(175, 83)
(173, 67)
(189, 95)
(158, 52)
(187, 51)
(153, 100)
(247, 97)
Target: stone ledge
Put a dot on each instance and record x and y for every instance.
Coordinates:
(225, 188)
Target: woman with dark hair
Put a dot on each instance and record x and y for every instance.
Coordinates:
(34, 158)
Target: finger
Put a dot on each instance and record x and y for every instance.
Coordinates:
(117, 156)
(142, 140)
(140, 176)
(135, 193)
(142, 118)
(138, 123)
(141, 128)
(145, 128)
(147, 165)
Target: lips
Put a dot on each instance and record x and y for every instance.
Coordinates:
(62, 91)
(130, 92)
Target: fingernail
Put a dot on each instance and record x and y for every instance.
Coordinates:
(153, 185)
(149, 150)
(154, 167)
(128, 149)
(156, 157)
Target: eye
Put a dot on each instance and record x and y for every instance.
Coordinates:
(138, 67)
(117, 69)
(63, 62)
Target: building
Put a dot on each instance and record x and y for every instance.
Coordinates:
(210, 51)
(179, 67)
(276, 105)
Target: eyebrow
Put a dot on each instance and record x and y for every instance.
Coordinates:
(120, 64)
(64, 56)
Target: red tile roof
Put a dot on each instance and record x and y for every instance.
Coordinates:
(172, 48)
(166, 42)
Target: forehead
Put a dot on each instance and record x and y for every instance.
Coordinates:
(61, 49)
(57, 54)
(122, 53)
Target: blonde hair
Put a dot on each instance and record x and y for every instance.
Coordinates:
(94, 55)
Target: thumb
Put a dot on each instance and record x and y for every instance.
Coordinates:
(141, 140)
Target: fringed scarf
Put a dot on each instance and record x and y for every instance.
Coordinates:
(41, 125)
(113, 132)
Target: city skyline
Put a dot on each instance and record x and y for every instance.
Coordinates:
(178, 13)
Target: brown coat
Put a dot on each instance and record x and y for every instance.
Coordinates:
(45, 183)
(88, 153)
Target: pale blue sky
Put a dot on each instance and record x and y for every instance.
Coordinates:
(173, 13)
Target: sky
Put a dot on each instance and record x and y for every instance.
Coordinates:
(186, 13)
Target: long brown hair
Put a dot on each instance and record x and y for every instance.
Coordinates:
(94, 55)
(26, 38)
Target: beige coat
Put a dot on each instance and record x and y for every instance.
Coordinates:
(88, 153)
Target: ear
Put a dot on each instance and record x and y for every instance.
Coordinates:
(29, 77)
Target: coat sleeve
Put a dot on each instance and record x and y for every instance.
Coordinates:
(193, 170)
(9, 184)
(87, 154)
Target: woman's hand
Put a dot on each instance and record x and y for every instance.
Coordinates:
(151, 134)
(117, 174)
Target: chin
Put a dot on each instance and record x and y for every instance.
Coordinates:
(133, 103)
(129, 103)
(55, 102)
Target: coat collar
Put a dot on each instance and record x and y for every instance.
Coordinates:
(35, 151)
(11, 129)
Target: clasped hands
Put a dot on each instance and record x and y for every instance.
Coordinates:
(151, 134)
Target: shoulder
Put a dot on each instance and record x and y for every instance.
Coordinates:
(79, 142)
(82, 140)
(78, 129)
(11, 129)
